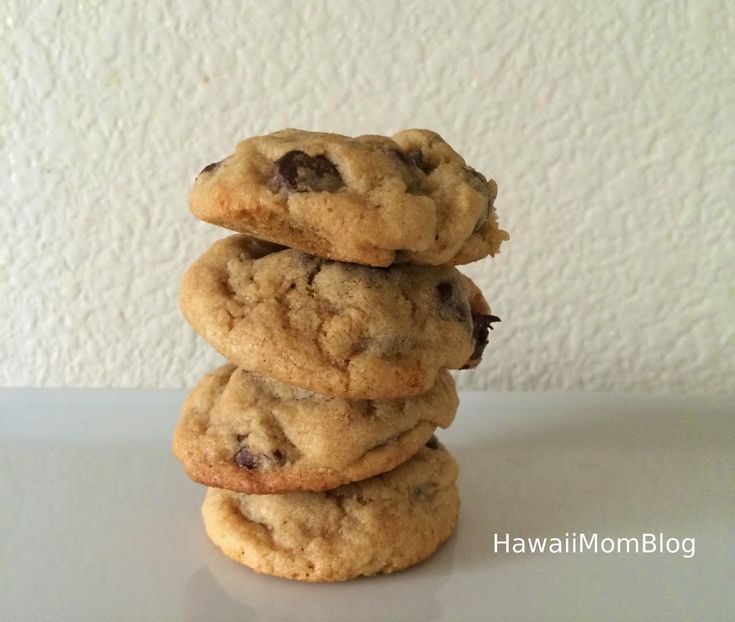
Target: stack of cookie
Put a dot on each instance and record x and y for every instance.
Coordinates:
(340, 312)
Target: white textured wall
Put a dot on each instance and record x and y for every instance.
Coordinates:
(609, 129)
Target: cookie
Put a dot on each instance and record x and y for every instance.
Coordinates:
(379, 525)
(371, 200)
(339, 329)
(249, 433)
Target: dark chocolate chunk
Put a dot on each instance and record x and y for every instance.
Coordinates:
(245, 458)
(297, 171)
(402, 157)
(416, 159)
(444, 290)
(248, 460)
(482, 220)
(477, 175)
(479, 182)
(433, 442)
(209, 167)
(451, 307)
(419, 161)
(482, 325)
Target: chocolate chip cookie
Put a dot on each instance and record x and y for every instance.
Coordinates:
(372, 200)
(339, 329)
(248, 433)
(379, 525)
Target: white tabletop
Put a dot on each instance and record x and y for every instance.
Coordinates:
(99, 522)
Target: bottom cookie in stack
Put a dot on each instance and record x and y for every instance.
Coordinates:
(379, 525)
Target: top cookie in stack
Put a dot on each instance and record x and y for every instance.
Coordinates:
(370, 200)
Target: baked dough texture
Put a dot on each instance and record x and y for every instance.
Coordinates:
(248, 433)
(340, 311)
(339, 329)
(379, 525)
(372, 200)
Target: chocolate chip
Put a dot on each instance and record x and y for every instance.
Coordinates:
(445, 290)
(478, 181)
(297, 171)
(209, 168)
(451, 307)
(481, 221)
(433, 442)
(477, 175)
(245, 458)
(402, 157)
(484, 215)
(418, 159)
(415, 158)
(482, 325)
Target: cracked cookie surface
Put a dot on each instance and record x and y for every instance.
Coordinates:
(379, 525)
(372, 200)
(248, 433)
(338, 329)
